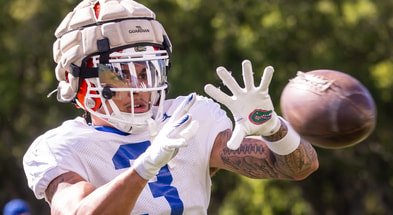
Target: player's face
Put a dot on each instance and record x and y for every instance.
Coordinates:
(123, 78)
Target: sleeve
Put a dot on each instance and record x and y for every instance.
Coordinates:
(48, 157)
(208, 113)
(212, 115)
(212, 120)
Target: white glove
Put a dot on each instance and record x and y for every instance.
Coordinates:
(251, 106)
(174, 135)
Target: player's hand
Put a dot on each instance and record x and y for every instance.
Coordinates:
(174, 135)
(251, 106)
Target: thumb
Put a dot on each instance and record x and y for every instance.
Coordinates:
(237, 137)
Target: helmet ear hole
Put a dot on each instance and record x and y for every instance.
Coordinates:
(91, 103)
(107, 93)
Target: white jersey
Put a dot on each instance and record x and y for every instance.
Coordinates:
(99, 154)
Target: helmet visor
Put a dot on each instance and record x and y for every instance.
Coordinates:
(139, 75)
(141, 68)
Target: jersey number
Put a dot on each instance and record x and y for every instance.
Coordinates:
(161, 187)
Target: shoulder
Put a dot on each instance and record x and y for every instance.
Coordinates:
(67, 132)
(204, 108)
(57, 137)
(211, 117)
(212, 120)
(52, 148)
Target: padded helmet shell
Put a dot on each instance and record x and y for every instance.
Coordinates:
(121, 22)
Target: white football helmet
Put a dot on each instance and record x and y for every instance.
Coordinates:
(108, 53)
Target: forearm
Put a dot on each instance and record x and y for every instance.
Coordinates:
(73, 195)
(117, 197)
(300, 162)
(255, 159)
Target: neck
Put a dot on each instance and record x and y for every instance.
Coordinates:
(99, 122)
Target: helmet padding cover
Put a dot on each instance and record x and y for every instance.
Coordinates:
(121, 22)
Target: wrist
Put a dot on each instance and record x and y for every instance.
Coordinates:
(143, 169)
(149, 163)
(284, 141)
(274, 126)
(279, 132)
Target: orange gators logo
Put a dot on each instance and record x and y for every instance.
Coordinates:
(259, 116)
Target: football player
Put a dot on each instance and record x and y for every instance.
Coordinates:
(143, 153)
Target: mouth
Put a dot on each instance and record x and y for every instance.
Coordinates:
(140, 107)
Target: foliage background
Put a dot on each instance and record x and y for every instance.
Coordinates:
(354, 36)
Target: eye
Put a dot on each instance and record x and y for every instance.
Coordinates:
(124, 75)
(142, 75)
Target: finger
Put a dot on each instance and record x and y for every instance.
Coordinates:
(184, 107)
(217, 94)
(248, 76)
(228, 80)
(236, 138)
(176, 143)
(179, 125)
(266, 78)
(181, 135)
(189, 102)
(190, 131)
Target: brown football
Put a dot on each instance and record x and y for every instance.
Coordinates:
(331, 109)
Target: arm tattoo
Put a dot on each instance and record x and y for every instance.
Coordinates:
(65, 180)
(254, 159)
(300, 161)
(250, 159)
(52, 188)
(279, 134)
